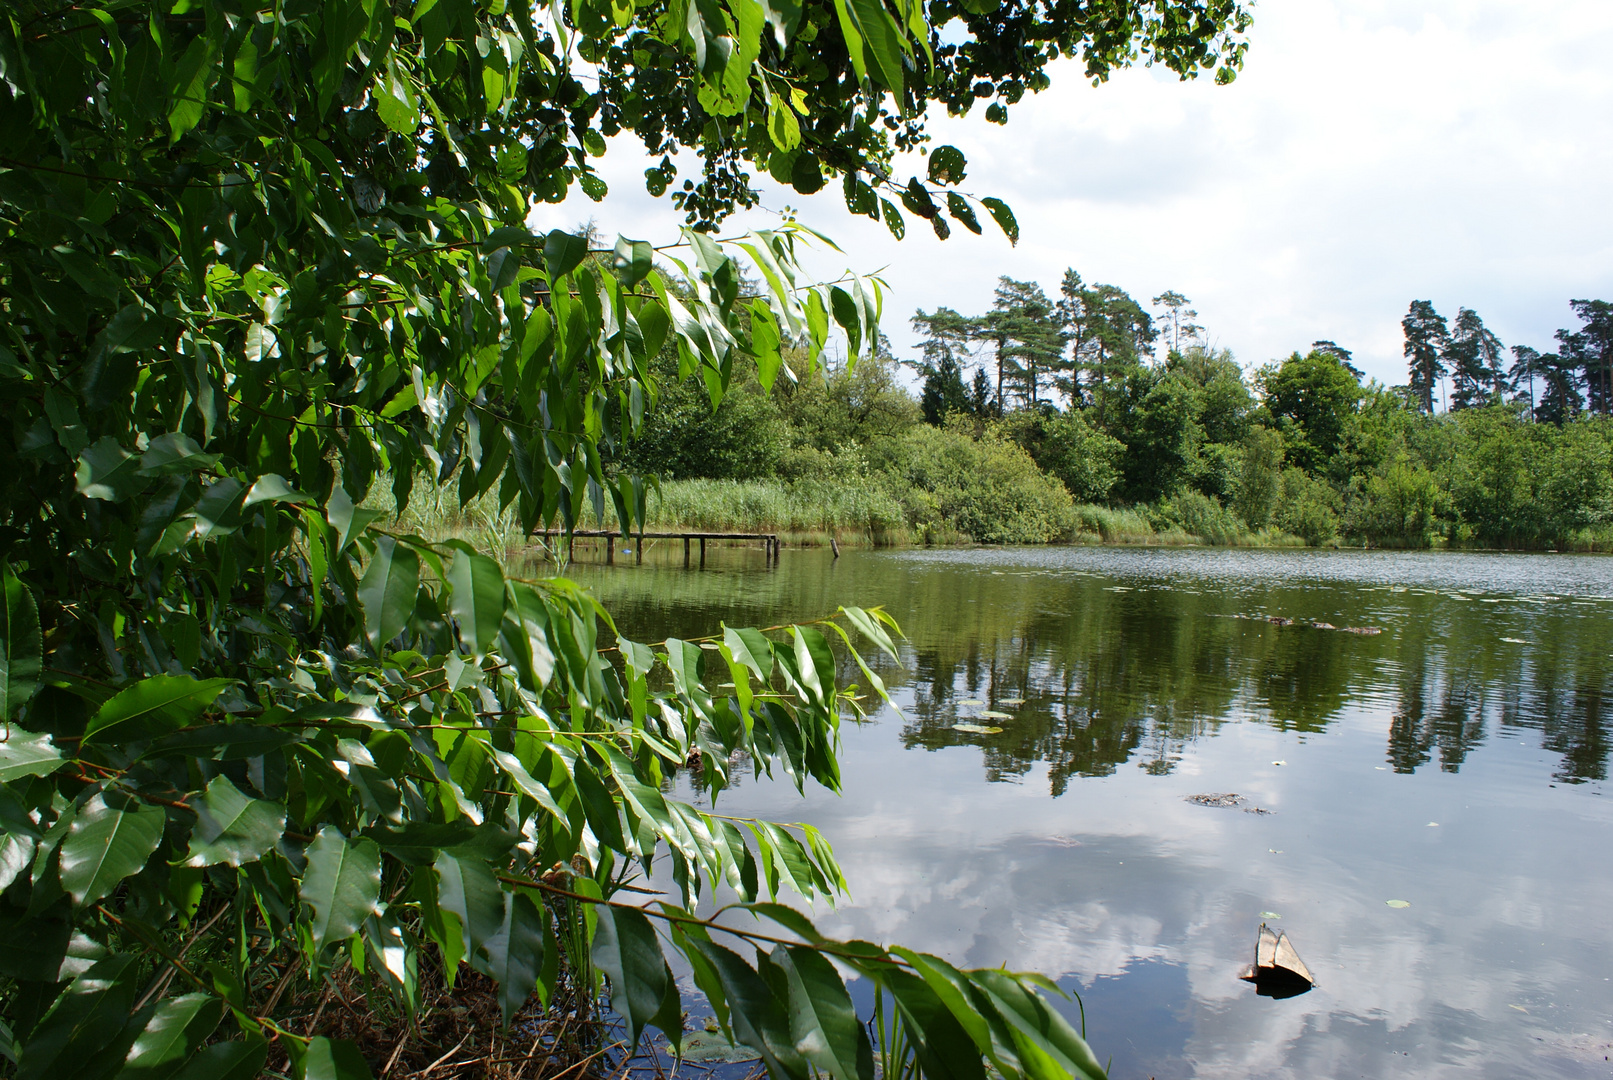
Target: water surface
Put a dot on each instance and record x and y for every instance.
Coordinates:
(1456, 760)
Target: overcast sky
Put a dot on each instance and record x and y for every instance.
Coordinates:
(1372, 152)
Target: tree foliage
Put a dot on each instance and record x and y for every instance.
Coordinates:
(265, 267)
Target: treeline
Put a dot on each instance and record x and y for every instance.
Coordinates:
(1044, 419)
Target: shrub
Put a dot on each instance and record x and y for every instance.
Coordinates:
(988, 488)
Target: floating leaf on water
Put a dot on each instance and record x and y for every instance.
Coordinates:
(1012, 701)
(1514, 641)
(990, 715)
(1398, 903)
(977, 729)
(971, 701)
(1270, 915)
(1520, 1008)
(1274, 851)
(1433, 825)
(711, 1046)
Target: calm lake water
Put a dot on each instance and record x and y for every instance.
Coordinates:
(1456, 761)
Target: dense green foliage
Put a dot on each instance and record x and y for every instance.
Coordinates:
(256, 261)
(1299, 450)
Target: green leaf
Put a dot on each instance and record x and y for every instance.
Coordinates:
(893, 219)
(111, 838)
(191, 78)
(516, 954)
(1037, 1025)
(944, 1048)
(333, 1059)
(760, 1020)
(466, 886)
(946, 165)
(151, 707)
(238, 1059)
(960, 209)
(108, 472)
(28, 753)
(626, 949)
(823, 1021)
(476, 599)
(342, 885)
(782, 126)
(175, 1030)
(1004, 218)
(563, 252)
(232, 828)
(173, 453)
(395, 101)
(272, 488)
(387, 590)
(751, 648)
(87, 1016)
(634, 259)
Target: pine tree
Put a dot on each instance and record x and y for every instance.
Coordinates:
(1473, 355)
(1426, 341)
(1590, 348)
(1177, 322)
(1527, 365)
(944, 392)
(1029, 341)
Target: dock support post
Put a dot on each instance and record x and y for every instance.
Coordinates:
(610, 549)
(686, 553)
(702, 553)
(638, 552)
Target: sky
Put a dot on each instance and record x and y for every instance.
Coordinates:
(1372, 152)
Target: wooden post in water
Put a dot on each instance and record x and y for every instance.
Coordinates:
(638, 552)
(686, 553)
(834, 545)
(702, 553)
(610, 549)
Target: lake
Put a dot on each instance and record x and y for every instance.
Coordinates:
(1456, 761)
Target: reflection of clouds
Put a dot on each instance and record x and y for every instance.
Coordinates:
(1148, 904)
(1090, 886)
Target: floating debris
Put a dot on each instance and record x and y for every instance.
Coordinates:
(1226, 799)
(971, 701)
(1278, 620)
(1323, 626)
(1011, 701)
(1398, 903)
(1277, 972)
(1514, 641)
(990, 715)
(1270, 915)
(977, 729)
(1279, 763)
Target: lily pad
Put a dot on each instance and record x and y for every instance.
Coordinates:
(977, 729)
(971, 701)
(1270, 915)
(1514, 641)
(1012, 700)
(1398, 903)
(989, 715)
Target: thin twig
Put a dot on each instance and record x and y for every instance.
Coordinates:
(160, 987)
(444, 1058)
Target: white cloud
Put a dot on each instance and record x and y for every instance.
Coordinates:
(1373, 152)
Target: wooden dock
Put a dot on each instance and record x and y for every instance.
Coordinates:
(770, 542)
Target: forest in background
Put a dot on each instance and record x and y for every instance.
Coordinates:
(1047, 419)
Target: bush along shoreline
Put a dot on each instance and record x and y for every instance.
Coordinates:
(1189, 451)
